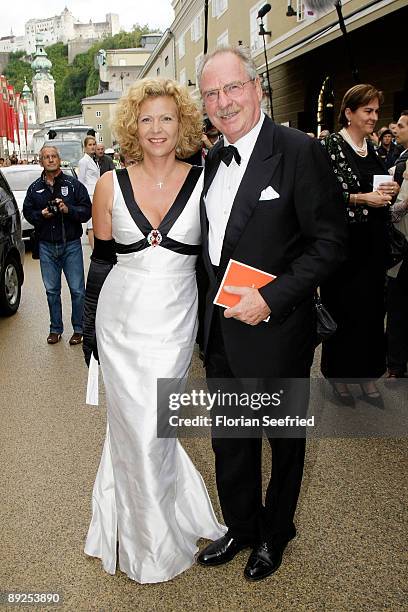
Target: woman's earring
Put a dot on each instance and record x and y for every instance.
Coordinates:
(348, 123)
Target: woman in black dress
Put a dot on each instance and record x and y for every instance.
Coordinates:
(354, 295)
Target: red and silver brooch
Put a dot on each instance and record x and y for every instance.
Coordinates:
(154, 238)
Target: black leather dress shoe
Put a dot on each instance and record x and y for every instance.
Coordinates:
(263, 561)
(221, 551)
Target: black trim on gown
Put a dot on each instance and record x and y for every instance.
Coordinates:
(167, 222)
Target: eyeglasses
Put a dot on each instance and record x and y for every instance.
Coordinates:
(232, 90)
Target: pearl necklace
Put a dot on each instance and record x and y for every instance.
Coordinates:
(361, 151)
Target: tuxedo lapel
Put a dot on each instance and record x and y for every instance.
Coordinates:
(261, 167)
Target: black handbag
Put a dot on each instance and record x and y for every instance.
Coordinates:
(325, 324)
(397, 245)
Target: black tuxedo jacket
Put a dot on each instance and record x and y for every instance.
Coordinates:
(300, 237)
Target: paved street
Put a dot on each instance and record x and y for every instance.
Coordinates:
(351, 549)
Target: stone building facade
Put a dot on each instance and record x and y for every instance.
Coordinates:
(308, 61)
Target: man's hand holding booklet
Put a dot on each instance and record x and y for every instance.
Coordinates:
(239, 294)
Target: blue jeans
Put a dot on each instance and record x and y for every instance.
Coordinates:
(55, 258)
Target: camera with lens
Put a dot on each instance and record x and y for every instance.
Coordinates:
(52, 206)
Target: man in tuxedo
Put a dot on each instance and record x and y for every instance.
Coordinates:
(270, 200)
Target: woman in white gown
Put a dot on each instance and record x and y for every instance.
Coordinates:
(147, 496)
(88, 174)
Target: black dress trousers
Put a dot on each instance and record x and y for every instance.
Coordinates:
(238, 463)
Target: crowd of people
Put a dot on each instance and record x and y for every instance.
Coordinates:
(355, 295)
(105, 162)
(13, 160)
(312, 212)
(367, 290)
(358, 285)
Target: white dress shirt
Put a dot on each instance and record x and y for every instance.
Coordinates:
(88, 173)
(221, 194)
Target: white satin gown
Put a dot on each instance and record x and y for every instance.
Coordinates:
(149, 502)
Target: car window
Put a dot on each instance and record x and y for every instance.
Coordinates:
(70, 151)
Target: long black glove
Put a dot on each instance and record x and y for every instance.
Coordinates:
(103, 259)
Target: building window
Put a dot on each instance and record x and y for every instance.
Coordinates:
(100, 138)
(99, 126)
(98, 113)
(181, 46)
(197, 27)
(46, 100)
(183, 78)
(166, 60)
(255, 39)
(222, 40)
(158, 71)
(300, 10)
(219, 7)
(197, 61)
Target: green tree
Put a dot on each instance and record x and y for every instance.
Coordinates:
(92, 83)
(17, 69)
(58, 54)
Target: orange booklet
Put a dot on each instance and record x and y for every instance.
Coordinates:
(239, 274)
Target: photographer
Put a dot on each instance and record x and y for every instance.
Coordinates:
(210, 136)
(57, 204)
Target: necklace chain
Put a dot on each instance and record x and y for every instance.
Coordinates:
(160, 183)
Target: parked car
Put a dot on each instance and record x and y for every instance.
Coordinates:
(11, 252)
(19, 178)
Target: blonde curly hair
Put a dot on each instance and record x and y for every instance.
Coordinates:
(127, 113)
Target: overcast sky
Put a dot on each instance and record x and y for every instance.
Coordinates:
(155, 13)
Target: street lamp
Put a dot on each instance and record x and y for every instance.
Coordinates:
(265, 91)
(205, 26)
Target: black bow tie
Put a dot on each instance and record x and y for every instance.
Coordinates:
(227, 153)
